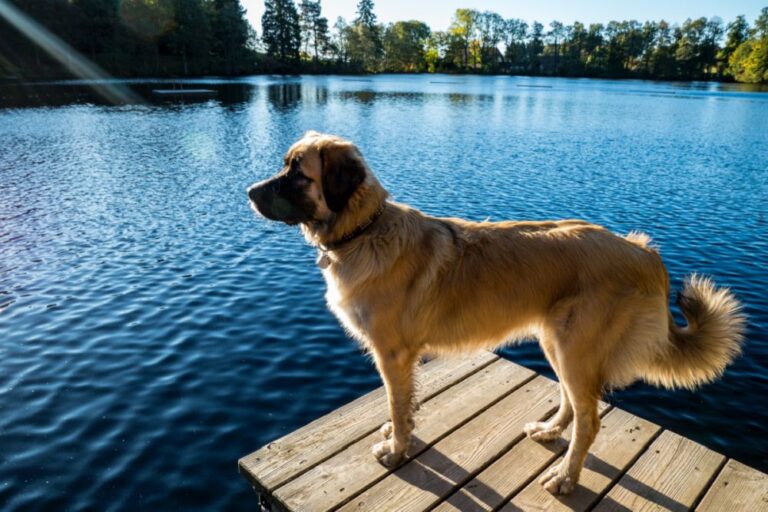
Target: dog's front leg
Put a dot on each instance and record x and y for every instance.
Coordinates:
(396, 367)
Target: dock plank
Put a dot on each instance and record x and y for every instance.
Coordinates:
(297, 452)
(510, 473)
(354, 469)
(621, 440)
(671, 475)
(470, 453)
(738, 487)
(454, 460)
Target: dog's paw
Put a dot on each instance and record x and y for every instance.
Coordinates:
(386, 455)
(386, 430)
(557, 480)
(540, 431)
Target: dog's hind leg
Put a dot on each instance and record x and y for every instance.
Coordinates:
(397, 371)
(552, 428)
(583, 388)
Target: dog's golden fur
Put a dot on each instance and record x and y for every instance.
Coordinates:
(413, 284)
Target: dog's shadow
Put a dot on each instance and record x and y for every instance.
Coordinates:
(438, 474)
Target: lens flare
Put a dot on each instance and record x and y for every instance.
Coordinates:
(67, 56)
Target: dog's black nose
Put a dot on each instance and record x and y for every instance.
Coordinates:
(252, 193)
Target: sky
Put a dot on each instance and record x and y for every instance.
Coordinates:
(437, 14)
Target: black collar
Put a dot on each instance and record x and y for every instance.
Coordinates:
(359, 230)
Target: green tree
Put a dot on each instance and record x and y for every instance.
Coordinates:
(737, 32)
(535, 47)
(688, 51)
(191, 37)
(308, 10)
(280, 30)
(749, 63)
(760, 30)
(314, 28)
(556, 33)
(648, 40)
(365, 44)
(663, 63)
(405, 45)
(339, 44)
(491, 29)
(437, 47)
(594, 62)
(515, 35)
(463, 30)
(230, 33)
(574, 44)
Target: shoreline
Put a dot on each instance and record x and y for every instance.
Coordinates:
(70, 80)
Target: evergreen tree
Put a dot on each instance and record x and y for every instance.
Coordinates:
(365, 14)
(230, 31)
(191, 37)
(280, 30)
(314, 28)
(535, 47)
(760, 30)
(737, 33)
(366, 47)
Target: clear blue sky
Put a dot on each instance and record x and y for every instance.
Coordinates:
(437, 14)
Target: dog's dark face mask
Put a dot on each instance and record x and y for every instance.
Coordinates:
(314, 185)
(284, 197)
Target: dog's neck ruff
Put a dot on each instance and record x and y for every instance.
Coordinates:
(323, 260)
(359, 230)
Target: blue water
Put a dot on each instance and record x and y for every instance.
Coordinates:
(153, 331)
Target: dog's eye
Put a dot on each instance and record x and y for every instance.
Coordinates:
(301, 179)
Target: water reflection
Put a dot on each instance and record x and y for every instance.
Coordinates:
(58, 94)
(288, 94)
(284, 96)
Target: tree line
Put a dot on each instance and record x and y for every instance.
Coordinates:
(197, 37)
(135, 37)
(297, 36)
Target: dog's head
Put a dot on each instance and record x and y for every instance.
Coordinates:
(319, 176)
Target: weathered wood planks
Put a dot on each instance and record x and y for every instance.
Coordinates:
(433, 475)
(470, 453)
(671, 474)
(281, 460)
(621, 440)
(507, 475)
(738, 487)
(354, 468)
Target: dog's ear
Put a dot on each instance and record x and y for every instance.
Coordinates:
(343, 171)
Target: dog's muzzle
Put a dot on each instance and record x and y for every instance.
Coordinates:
(274, 199)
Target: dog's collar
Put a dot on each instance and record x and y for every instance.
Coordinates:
(359, 230)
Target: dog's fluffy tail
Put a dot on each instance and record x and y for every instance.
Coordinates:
(699, 352)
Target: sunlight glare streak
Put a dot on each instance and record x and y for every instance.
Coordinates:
(67, 56)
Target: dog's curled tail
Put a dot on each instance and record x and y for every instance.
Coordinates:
(699, 352)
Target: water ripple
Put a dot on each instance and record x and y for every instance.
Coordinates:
(153, 330)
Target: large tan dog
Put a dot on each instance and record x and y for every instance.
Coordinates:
(406, 284)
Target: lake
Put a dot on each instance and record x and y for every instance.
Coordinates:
(153, 330)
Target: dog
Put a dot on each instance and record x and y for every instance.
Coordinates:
(406, 284)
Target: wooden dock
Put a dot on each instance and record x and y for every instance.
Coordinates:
(470, 453)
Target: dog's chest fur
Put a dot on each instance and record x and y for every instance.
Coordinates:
(353, 313)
